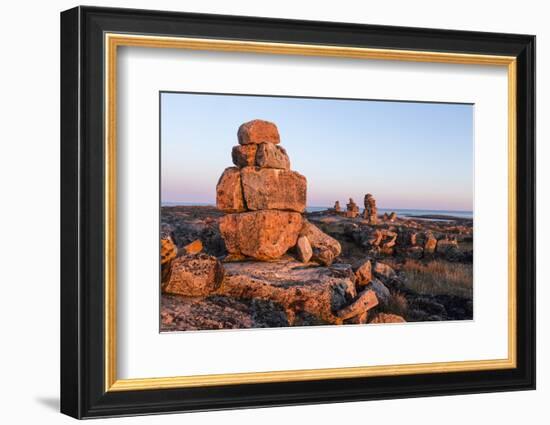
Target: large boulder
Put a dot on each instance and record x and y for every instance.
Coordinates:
(325, 248)
(244, 155)
(273, 189)
(258, 131)
(264, 235)
(229, 192)
(315, 293)
(269, 155)
(194, 275)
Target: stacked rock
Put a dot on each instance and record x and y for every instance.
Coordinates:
(264, 199)
(371, 213)
(337, 206)
(352, 209)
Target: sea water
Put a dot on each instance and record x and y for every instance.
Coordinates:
(402, 212)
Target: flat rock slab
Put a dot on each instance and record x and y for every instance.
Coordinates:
(218, 312)
(315, 291)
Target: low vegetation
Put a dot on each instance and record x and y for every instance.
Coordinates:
(397, 304)
(439, 277)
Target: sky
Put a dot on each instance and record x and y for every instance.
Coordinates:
(407, 154)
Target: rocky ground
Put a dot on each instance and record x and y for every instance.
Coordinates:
(400, 269)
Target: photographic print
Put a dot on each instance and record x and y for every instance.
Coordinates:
(283, 211)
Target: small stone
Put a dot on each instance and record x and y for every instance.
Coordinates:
(303, 249)
(269, 155)
(194, 275)
(229, 192)
(415, 252)
(387, 318)
(258, 131)
(325, 248)
(430, 244)
(364, 273)
(360, 319)
(193, 248)
(244, 155)
(382, 292)
(445, 245)
(364, 302)
(383, 270)
(232, 258)
(323, 256)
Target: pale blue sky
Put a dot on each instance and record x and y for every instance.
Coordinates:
(407, 154)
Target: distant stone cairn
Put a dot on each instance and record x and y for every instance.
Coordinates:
(352, 209)
(371, 213)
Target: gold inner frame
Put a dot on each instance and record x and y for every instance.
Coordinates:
(113, 41)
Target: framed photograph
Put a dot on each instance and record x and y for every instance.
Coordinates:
(261, 212)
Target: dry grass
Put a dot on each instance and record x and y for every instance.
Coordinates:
(397, 304)
(439, 277)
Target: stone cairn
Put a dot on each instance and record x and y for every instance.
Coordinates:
(337, 207)
(264, 201)
(352, 209)
(371, 213)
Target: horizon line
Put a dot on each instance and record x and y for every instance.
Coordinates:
(202, 204)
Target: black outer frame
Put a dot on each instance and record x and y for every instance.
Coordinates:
(82, 214)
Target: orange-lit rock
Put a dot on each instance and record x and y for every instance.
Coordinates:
(325, 248)
(229, 193)
(168, 251)
(194, 275)
(269, 155)
(303, 249)
(387, 318)
(264, 235)
(364, 302)
(311, 291)
(258, 131)
(364, 273)
(244, 155)
(273, 189)
(430, 244)
(193, 248)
